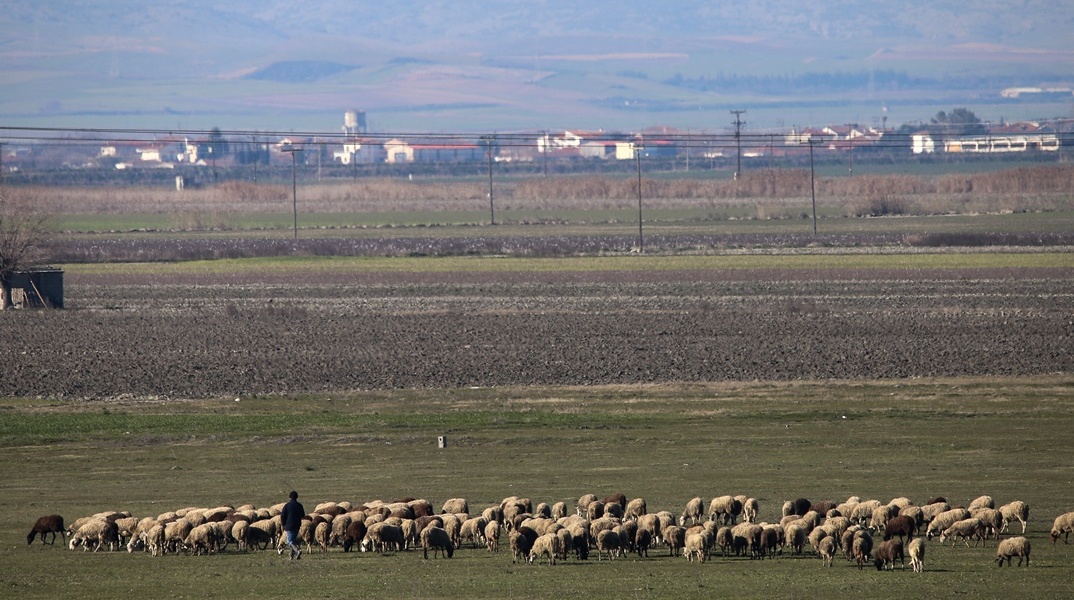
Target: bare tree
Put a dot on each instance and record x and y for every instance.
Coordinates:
(24, 235)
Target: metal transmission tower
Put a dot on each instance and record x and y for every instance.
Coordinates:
(738, 140)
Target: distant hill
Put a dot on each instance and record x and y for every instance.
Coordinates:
(516, 63)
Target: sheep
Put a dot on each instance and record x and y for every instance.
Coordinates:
(863, 512)
(559, 510)
(453, 526)
(964, 529)
(694, 510)
(1016, 510)
(613, 509)
(750, 508)
(608, 541)
(98, 532)
(887, 553)
(800, 506)
(473, 530)
(455, 505)
(565, 543)
(492, 536)
(546, 545)
(635, 508)
(901, 525)
(881, 514)
(723, 507)
(642, 540)
(240, 532)
(1062, 526)
(915, 513)
(826, 550)
(627, 532)
(982, 502)
(383, 537)
(788, 508)
(154, 540)
(675, 537)
(916, 550)
(933, 510)
(795, 534)
(618, 498)
(339, 529)
(1011, 547)
(724, 540)
(751, 534)
(822, 507)
(321, 534)
(584, 502)
(437, 539)
(201, 539)
(520, 546)
(861, 548)
(992, 521)
(594, 510)
(771, 536)
(695, 547)
(944, 520)
(543, 510)
(47, 524)
(815, 537)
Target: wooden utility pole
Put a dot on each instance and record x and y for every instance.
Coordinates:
(738, 123)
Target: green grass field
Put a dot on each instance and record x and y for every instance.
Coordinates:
(667, 443)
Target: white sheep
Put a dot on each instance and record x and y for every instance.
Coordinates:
(322, 534)
(991, 519)
(695, 510)
(492, 536)
(826, 550)
(436, 538)
(547, 545)
(1011, 547)
(916, 549)
(1062, 527)
(982, 502)
(635, 508)
(1014, 511)
(750, 509)
(455, 505)
(723, 507)
(608, 541)
(97, 532)
(944, 520)
(964, 529)
(696, 546)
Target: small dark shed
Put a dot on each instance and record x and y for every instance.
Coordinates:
(36, 288)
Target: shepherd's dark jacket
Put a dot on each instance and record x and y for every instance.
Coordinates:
(292, 515)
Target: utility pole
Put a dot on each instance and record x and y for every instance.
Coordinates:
(812, 186)
(738, 123)
(492, 207)
(294, 186)
(637, 157)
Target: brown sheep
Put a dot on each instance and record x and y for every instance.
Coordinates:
(887, 553)
(899, 526)
(47, 524)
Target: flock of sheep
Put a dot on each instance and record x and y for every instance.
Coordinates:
(612, 526)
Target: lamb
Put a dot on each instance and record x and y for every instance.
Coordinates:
(1016, 510)
(695, 509)
(1011, 547)
(437, 539)
(608, 541)
(98, 532)
(1062, 526)
(47, 524)
(916, 550)
(546, 545)
(964, 529)
(826, 550)
(887, 553)
(695, 547)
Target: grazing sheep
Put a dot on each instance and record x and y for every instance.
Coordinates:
(201, 540)
(771, 537)
(800, 506)
(559, 510)
(566, 541)
(614, 509)
(520, 546)
(822, 507)
(356, 532)
(383, 537)
(492, 536)
(723, 507)
(473, 530)
(154, 540)
(863, 512)
(47, 524)
(642, 540)
(546, 545)
(695, 547)
(916, 550)
(321, 535)
(339, 529)
(97, 532)
(1011, 547)
(900, 526)
(944, 520)
(724, 539)
(437, 539)
(627, 532)
(240, 531)
(826, 550)
(1012, 511)
(788, 508)
(795, 535)
(1062, 526)
(887, 553)
(595, 510)
(675, 537)
(861, 548)
(455, 505)
(635, 508)
(694, 510)
(931, 511)
(992, 521)
(915, 513)
(584, 502)
(619, 499)
(964, 529)
(982, 502)
(881, 515)
(608, 541)
(815, 537)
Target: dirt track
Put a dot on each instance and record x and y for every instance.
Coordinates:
(213, 338)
